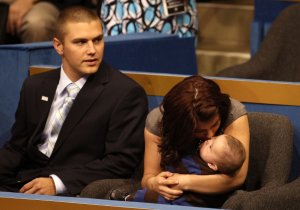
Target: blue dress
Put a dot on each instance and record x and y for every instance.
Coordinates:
(132, 16)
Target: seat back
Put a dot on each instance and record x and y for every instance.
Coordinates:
(278, 56)
(271, 147)
(286, 197)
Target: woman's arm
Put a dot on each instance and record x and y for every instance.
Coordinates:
(220, 183)
(151, 158)
(154, 178)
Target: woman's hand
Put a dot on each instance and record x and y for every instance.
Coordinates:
(154, 178)
(182, 181)
(165, 186)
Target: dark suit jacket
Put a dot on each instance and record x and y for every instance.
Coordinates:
(102, 136)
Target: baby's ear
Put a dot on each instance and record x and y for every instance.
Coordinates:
(213, 166)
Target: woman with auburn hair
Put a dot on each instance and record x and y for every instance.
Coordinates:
(193, 111)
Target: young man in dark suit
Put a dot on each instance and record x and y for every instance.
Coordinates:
(57, 150)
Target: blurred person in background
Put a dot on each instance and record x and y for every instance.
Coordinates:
(34, 20)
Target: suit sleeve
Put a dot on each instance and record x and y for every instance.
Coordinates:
(124, 144)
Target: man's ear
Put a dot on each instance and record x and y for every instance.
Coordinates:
(58, 46)
(213, 166)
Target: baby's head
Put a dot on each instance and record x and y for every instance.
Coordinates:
(223, 153)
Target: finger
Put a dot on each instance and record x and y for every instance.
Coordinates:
(168, 182)
(166, 174)
(170, 197)
(26, 187)
(38, 191)
(34, 187)
(33, 190)
(168, 191)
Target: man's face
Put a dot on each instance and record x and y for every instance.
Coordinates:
(81, 48)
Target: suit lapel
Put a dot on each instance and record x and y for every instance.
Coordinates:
(84, 100)
(45, 95)
(47, 92)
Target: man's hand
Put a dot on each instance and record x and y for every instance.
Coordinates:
(17, 10)
(42, 186)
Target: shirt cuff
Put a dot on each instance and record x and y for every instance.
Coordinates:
(59, 185)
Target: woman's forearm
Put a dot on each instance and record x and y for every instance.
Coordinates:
(211, 184)
(146, 182)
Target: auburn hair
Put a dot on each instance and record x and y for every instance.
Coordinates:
(193, 100)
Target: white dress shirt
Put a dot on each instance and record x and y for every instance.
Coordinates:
(58, 100)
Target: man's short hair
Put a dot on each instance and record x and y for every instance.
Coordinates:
(75, 14)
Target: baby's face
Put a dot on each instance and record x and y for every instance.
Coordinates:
(210, 150)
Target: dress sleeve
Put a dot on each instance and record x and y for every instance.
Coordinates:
(237, 109)
(152, 122)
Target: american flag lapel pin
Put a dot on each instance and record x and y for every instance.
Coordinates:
(44, 98)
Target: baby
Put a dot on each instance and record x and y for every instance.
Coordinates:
(221, 154)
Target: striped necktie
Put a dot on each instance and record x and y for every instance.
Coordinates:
(60, 115)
